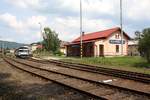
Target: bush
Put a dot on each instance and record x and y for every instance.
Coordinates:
(144, 44)
(58, 53)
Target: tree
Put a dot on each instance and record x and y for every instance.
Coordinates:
(51, 41)
(137, 35)
(144, 44)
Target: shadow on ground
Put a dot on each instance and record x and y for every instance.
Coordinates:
(10, 90)
(142, 65)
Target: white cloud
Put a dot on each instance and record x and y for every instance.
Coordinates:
(99, 6)
(11, 21)
(97, 15)
(22, 25)
(28, 28)
(71, 6)
(33, 21)
(133, 9)
(137, 10)
(7, 39)
(26, 3)
(69, 27)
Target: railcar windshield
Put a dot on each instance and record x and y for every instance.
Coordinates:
(23, 50)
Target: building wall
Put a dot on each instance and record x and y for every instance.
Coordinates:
(33, 47)
(12, 51)
(133, 50)
(63, 50)
(110, 49)
(87, 49)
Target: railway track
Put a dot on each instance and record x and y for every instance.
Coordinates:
(145, 78)
(94, 88)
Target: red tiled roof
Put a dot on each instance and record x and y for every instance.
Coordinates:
(98, 35)
(40, 46)
(78, 42)
(63, 43)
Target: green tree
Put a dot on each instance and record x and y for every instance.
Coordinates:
(51, 41)
(137, 35)
(144, 44)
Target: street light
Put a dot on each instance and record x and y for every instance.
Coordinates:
(41, 29)
(43, 36)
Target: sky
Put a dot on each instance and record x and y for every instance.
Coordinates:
(19, 19)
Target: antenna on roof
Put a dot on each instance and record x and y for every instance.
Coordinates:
(83, 33)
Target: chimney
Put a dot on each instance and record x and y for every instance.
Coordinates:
(83, 33)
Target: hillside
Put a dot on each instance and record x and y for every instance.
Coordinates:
(10, 45)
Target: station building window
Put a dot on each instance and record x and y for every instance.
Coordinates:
(117, 36)
(117, 48)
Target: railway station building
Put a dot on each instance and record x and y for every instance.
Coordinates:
(101, 43)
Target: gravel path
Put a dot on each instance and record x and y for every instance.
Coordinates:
(18, 85)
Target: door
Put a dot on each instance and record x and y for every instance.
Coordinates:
(101, 50)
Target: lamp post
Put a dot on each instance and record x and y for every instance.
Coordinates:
(41, 35)
(121, 26)
(81, 44)
(40, 28)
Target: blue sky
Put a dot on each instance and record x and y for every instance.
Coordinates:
(19, 19)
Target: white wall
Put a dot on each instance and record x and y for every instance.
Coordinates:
(110, 49)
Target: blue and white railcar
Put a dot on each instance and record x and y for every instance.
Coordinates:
(23, 52)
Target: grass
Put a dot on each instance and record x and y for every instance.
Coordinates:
(136, 64)
(42, 54)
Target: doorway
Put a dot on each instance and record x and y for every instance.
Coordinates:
(101, 50)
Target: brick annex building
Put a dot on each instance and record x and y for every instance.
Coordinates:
(101, 43)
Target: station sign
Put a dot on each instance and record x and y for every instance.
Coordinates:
(116, 41)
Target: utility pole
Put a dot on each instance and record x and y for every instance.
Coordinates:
(81, 44)
(121, 26)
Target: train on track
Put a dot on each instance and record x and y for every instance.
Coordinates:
(23, 52)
